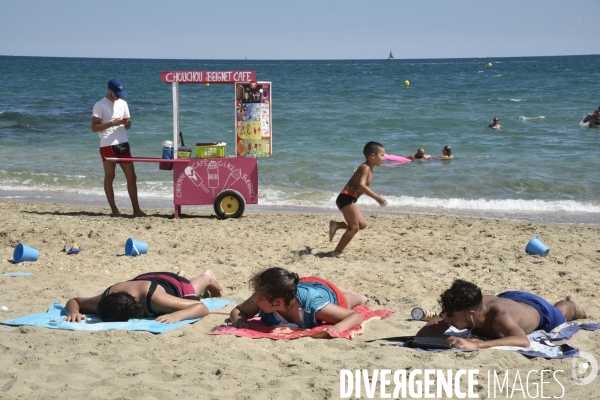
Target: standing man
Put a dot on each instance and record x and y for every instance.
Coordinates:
(110, 118)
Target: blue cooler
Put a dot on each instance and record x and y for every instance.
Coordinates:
(167, 155)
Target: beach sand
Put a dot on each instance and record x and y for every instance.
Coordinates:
(399, 261)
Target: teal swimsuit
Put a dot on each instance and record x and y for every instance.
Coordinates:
(312, 297)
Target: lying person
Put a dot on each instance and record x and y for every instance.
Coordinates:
(506, 319)
(282, 298)
(170, 297)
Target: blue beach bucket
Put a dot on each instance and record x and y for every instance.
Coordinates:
(135, 247)
(25, 253)
(535, 246)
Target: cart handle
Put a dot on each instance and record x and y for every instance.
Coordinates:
(148, 159)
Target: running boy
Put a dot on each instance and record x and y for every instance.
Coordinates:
(356, 186)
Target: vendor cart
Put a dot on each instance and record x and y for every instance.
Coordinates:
(228, 183)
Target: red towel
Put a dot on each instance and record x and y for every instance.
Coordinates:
(257, 329)
(342, 302)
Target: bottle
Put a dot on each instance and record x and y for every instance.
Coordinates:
(422, 314)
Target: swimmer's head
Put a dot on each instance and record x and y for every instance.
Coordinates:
(496, 120)
(420, 153)
(372, 148)
(447, 151)
(461, 297)
(119, 306)
(274, 284)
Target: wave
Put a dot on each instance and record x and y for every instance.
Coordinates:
(326, 201)
(559, 212)
(44, 174)
(507, 99)
(398, 203)
(523, 118)
(149, 190)
(507, 205)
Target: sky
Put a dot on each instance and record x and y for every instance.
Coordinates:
(307, 29)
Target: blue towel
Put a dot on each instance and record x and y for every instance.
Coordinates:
(540, 342)
(17, 274)
(53, 319)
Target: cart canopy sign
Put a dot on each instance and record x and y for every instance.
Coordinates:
(214, 77)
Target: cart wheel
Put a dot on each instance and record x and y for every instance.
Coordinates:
(229, 204)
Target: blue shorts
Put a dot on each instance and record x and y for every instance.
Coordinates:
(550, 316)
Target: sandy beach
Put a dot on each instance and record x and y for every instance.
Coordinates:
(399, 261)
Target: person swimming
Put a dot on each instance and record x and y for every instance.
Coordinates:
(593, 119)
(419, 155)
(495, 124)
(446, 153)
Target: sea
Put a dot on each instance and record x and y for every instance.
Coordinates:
(542, 166)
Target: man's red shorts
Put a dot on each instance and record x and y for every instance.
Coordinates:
(108, 151)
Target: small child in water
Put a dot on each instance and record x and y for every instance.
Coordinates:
(357, 185)
(282, 298)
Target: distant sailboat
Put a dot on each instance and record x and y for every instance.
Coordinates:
(391, 57)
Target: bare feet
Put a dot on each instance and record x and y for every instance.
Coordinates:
(332, 229)
(363, 300)
(579, 312)
(214, 287)
(116, 214)
(181, 273)
(336, 254)
(139, 214)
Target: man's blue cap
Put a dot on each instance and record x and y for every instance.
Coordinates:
(116, 86)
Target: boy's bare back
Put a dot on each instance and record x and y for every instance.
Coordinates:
(501, 311)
